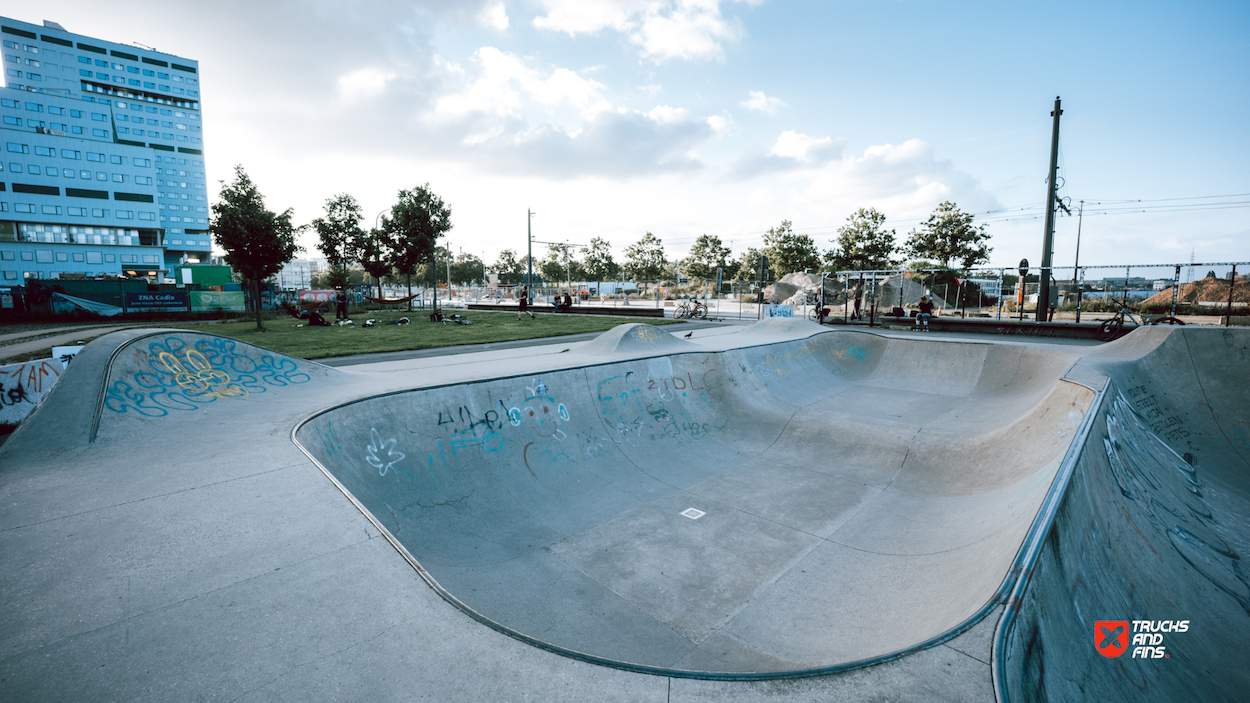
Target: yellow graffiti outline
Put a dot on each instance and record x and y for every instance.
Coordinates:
(195, 375)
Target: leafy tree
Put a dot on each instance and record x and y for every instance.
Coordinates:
(415, 224)
(375, 256)
(949, 236)
(560, 264)
(863, 243)
(708, 254)
(645, 260)
(338, 234)
(257, 241)
(508, 267)
(467, 268)
(597, 261)
(789, 252)
(749, 267)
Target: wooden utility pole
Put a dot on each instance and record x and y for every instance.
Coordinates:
(1048, 237)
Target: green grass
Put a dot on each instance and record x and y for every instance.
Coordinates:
(284, 334)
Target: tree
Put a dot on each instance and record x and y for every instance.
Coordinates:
(338, 233)
(416, 222)
(863, 243)
(749, 267)
(508, 267)
(257, 242)
(375, 256)
(707, 255)
(948, 235)
(645, 260)
(789, 252)
(597, 261)
(559, 264)
(467, 268)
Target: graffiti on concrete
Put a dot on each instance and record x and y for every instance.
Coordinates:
(176, 376)
(22, 386)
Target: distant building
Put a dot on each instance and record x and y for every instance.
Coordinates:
(296, 274)
(102, 169)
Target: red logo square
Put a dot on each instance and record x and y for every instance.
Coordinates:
(1111, 637)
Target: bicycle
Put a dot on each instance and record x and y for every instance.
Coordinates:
(1110, 329)
(690, 308)
(815, 314)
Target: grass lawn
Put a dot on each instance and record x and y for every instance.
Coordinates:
(284, 334)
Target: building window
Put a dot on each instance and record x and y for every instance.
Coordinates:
(150, 259)
(147, 216)
(43, 256)
(62, 256)
(15, 121)
(93, 156)
(100, 132)
(51, 171)
(119, 178)
(79, 258)
(69, 154)
(15, 167)
(45, 151)
(16, 148)
(24, 208)
(97, 212)
(110, 258)
(51, 209)
(129, 259)
(123, 214)
(77, 211)
(32, 168)
(93, 257)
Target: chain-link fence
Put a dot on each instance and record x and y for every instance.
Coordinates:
(1197, 293)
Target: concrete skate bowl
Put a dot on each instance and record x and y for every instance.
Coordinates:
(1154, 525)
(784, 509)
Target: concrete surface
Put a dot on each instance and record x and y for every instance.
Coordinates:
(192, 551)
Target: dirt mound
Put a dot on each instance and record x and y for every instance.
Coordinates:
(1207, 290)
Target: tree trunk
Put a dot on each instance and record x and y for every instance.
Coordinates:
(260, 326)
(409, 292)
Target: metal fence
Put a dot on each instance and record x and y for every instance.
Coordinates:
(1211, 293)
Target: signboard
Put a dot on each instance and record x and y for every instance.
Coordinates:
(156, 301)
(65, 355)
(778, 311)
(213, 300)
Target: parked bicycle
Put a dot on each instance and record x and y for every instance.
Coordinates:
(690, 308)
(1110, 329)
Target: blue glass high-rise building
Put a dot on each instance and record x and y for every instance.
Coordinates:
(102, 161)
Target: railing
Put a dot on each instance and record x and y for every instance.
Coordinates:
(1078, 294)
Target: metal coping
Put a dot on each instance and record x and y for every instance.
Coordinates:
(1009, 585)
(1031, 550)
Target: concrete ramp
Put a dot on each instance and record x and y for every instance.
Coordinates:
(1154, 528)
(785, 507)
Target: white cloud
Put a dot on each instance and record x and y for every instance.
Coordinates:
(903, 180)
(800, 147)
(505, 85)
(363, 84)
(494, 17)
(650, 90)
(661, 29)
(763, 103)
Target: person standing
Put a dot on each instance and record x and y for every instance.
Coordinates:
(858, 292)
(340, 307)
(523, 303)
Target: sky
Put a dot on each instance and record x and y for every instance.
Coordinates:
(612, 118)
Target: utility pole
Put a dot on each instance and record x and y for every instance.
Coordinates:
(529, 247)
(1076, 267)
(1048, 237)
